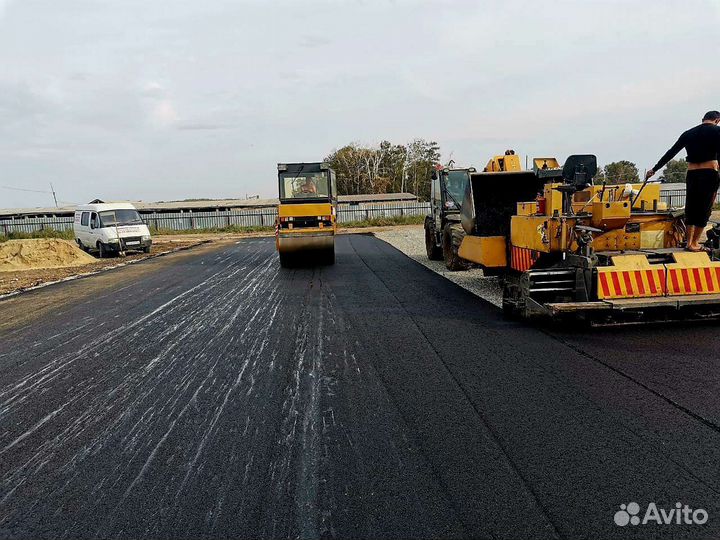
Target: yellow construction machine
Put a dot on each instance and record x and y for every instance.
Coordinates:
(566, 247)
(307, 214)
(443, 232)
(506, 163)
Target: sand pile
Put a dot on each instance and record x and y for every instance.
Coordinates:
(41, 253)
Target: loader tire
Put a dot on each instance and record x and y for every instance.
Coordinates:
(434, 252)
(452, 238)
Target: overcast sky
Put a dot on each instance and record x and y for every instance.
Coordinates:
(172, 99)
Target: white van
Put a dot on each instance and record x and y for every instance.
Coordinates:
(110, 228)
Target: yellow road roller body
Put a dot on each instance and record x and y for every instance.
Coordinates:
(307, 214)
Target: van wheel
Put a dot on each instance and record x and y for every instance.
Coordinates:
(102, 252)
(146, 250)
(80, 245)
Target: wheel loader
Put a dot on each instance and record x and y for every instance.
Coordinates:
(443, 231)
(307, 214)
(568, 248)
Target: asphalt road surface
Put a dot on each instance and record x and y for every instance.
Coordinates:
(216, 395)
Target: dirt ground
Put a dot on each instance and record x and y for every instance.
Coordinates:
(24, 279)
(407, 238)
(11, 282)
(41, 253)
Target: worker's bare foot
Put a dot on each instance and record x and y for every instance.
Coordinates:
(695, 248)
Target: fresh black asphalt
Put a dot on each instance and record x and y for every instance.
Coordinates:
(226, 397)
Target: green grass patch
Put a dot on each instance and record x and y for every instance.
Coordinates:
(45, 233)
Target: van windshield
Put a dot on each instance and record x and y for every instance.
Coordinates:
(111, 218)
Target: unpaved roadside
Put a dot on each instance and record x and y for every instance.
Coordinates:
(410, 239)
(20, 310)
(20, 280)
(12, 282)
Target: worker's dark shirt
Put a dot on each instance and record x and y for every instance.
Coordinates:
(701, 142)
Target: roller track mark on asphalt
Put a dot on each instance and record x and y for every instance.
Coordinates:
(387, 422)
(274, 306)
(707, 422)
(676, 346)
(33, 429)
(498, 441)
(306, 495)
(298, 436)
(202, 315)
(217, 314)
(33, 381)
(695, 416)
(96, 413)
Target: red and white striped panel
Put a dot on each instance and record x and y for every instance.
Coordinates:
(642, 283)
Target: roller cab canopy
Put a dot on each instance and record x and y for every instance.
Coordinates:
(302, 183)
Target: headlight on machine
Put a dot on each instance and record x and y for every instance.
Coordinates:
(145, 237)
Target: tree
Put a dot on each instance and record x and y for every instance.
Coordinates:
(600, 176)
(385, 168)
(675, 171)
(621, 172)
(347, 163)
(422, 157)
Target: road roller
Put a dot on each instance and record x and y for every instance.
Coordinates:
(307, 214)
(568, 247)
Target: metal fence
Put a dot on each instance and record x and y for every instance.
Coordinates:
(676, 197)
(240, 217)
(263, 217)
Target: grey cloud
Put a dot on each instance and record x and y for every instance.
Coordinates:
(313, 41)
(199, 126)
(18, 103)
(132, 91)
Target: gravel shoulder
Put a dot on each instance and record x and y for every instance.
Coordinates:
(410, 240)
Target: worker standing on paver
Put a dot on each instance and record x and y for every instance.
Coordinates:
(703, 151)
